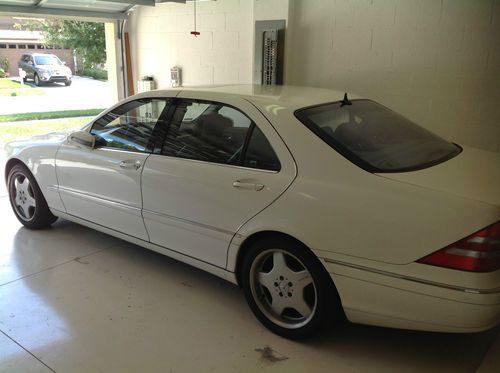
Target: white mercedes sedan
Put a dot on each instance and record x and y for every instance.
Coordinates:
(320, 205)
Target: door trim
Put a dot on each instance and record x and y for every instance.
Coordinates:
(99, 200)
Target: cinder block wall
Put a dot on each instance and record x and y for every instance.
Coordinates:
(222, 54)
(435, 61)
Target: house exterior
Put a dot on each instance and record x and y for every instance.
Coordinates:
(14, 43)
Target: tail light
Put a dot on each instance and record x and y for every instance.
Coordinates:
(479, 252)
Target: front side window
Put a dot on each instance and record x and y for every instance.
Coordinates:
(213, 132)
(130, 126)
(376, 138)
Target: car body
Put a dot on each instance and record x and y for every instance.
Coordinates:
(370, 231)
(45, 68)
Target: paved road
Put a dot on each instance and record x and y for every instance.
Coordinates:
(84, 93)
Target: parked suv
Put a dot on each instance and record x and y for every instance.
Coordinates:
(44, 68)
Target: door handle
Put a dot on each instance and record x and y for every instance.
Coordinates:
(130, 164)
(248, 185)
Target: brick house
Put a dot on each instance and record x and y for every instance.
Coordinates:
(14, 43)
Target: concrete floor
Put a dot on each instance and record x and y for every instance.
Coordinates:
(75, 300)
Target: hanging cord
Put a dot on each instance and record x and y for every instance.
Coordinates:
(195, 33)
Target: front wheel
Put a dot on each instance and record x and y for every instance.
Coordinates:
(67, 83)
(27, 200)
(288, 289)
(38, 82)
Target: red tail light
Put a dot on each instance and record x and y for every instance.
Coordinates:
(480, 252)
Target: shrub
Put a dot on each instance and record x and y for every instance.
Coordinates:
(95, 73)
(4, 64)
(2, 73)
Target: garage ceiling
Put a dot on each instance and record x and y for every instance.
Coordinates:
(97, 9)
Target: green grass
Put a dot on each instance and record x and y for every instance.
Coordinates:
(7, 83)
(14, 88)
(10, 132)
(49, 115)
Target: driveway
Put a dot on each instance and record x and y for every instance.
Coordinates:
(84, 93)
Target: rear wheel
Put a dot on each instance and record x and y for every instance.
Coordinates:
(287, 288)
(27, 200)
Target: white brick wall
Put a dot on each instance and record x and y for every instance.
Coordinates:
(437, 62)
(222, 54)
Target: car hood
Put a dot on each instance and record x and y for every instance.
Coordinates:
(53, 138)
(473, 174)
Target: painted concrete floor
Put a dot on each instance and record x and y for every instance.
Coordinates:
(75, 300)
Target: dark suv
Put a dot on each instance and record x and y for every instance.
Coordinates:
(44, 68)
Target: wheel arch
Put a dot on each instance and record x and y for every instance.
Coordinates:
(11, 163)
(336, 300)
(254, 237)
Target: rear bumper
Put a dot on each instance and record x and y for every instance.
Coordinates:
(391, 301)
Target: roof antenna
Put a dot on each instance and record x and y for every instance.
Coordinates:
(345, 101)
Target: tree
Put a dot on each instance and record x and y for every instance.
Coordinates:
(85, 38)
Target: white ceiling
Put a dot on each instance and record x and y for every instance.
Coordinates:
(108, 9)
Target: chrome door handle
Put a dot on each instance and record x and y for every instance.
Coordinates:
(248, 185)
(130, 164)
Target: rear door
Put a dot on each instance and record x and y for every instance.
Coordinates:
(221, 164)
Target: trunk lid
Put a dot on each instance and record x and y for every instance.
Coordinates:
(472, 174)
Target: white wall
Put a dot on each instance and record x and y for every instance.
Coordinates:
(222, 54)
(437, 62)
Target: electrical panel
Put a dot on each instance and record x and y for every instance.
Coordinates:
(269, 52)
(270, 57)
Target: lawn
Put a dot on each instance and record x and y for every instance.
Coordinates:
(14, 131)
(7, 83)
(50, 115)
(13, 88)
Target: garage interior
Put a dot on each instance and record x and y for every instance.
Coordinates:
(76, 300)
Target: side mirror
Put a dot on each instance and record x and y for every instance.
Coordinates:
(82, 139)
(31, 63)
(63, 62)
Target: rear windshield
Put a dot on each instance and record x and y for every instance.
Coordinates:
(376, 138)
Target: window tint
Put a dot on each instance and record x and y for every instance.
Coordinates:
(129, 126)
(259, 153)
(214, 132)
(207, 132)
(376, 138)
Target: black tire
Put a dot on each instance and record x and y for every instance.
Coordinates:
(37, 80)
(25, 80)
(67, 83)
(320, 295)
(38, 216)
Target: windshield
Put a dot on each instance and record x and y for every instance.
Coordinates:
(47, 60)
(376, 138)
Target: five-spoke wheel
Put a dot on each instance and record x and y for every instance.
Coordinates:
(287, 288)
(27, 200)
(24, 198)
(283, 288)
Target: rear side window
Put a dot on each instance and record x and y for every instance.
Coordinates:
(217, 133)
(259, 153)
(376, 138)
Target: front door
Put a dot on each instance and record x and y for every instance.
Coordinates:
(220, 165)
(103, 185)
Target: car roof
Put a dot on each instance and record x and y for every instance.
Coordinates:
(288, 96)
(39, 54)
